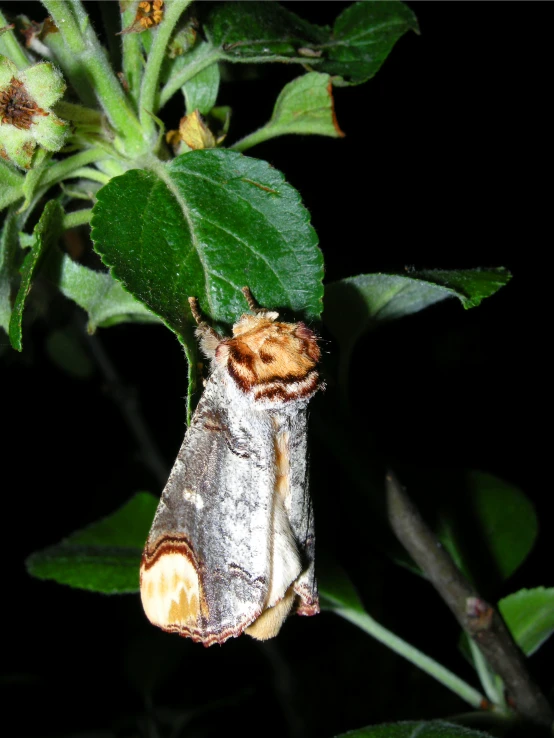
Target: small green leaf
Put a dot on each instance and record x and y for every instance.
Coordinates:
(529, 614)
(105, 556)
(8, 269)
(335, 587)
(357, 304)
(46, 232)
(206, 225)
(201, 91)
(106, 301)
(415, 729)
(11, 184)
(364, 35)
(305, 106)
(505, 526)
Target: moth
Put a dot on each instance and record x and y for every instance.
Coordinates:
(231, 548)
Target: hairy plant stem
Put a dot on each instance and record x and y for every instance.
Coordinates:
(478, 618)
(93, 174)
(10, 46)
(64, 168)
(132, 59)
(76, 218)
(88, 53)
(265, 133)
(150, 79)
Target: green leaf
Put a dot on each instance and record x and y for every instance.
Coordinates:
(46, 232)
(106, 301)
(361, 40)
(357, 304)
(335, 587)
(415, 729)
(201, 91)
(8, 270)
(11, 184)
(529, 614)
(363, 37)
(505, 526)
(305, 105)
(206, 225)
(259, 29)
(105, 556)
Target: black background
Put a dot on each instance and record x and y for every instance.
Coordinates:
(446, 163)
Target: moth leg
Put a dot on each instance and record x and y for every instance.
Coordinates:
(209, 339)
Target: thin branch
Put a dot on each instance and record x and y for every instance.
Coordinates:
(126, 400)
(478, 618)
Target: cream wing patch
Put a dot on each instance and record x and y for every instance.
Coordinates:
(170, 592)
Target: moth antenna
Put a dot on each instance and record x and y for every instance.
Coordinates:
(252, 304)
(209, 339)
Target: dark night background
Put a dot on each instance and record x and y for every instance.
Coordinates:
(446, 163)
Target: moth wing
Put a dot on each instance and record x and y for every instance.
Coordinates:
(302, 515)
(205, 571)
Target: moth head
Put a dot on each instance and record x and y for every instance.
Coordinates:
(273, 360)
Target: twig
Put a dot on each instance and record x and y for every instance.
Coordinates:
(126, 400)
(478, 618)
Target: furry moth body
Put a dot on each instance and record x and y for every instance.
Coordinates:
(231, 548)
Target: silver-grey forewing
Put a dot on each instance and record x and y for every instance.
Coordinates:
(218, 500)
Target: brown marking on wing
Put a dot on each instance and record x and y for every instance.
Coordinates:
(171, 587)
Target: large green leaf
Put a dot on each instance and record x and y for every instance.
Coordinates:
(206, 225)
(106, 301)
(529, 614)
(105, 556)
(414, 729)
(357, 304)
(46, 233)
(305, 105)
(363, 37)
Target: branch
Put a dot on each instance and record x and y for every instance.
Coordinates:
(478, 618)
(127, 402)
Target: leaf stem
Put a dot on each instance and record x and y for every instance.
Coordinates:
(93, 174)
(78, 113)
(149, 87)
(76, 218)
(10, 46)
(265, 133)
(205, 56)
(412, 654)
(477, 617)
(485, 676)
(62, 169)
